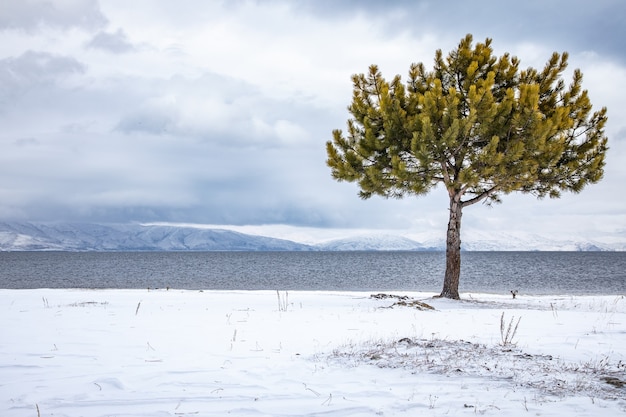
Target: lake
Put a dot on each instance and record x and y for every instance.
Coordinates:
(492, 272)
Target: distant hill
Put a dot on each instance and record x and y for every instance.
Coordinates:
(379, 243)
(473, 241)
(27, 236)
(94, 237)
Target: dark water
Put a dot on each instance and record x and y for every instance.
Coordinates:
(492, 272)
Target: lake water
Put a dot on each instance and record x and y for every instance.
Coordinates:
(492, 272)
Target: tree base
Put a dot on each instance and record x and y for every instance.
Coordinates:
(448, 295)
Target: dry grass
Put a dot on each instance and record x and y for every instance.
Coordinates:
(403, 301)
(283, 300)
(548, 375)
(507, 333)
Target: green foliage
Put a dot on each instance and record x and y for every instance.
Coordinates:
(475, 123)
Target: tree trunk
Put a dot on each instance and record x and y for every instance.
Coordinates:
(453, 250)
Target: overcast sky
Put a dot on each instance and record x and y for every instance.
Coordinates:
(217, 112)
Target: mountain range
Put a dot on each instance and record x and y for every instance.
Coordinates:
(29, 236)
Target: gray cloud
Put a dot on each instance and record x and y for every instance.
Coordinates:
(31, 70)
(151, 119)
(116, 43)
(574, 26)
(31, 15)
(222, 114)
(221, 111)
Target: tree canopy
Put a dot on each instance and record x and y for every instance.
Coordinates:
(476, 124)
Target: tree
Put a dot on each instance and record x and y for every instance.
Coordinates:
(476, 124)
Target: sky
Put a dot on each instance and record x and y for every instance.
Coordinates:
(217, 112)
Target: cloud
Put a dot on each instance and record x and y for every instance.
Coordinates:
(31, 70)
(31, 15)
(576, 25)
(155, 116)
(222, 111)
(33, 67)
(116, 43)
(218, 112)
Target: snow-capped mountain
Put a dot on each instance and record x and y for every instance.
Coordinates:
(93, 237)
(382, 242)
(476, 240)
(24, 236)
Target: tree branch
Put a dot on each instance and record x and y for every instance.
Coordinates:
(480, 197)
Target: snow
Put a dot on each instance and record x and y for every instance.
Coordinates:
(16, 236)
(373, 242)
(27, 236)
(160, 352)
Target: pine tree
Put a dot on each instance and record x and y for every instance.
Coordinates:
(476, 124)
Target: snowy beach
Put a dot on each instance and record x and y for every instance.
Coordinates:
(169, 352)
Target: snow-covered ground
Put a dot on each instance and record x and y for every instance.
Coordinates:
(262, 353)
